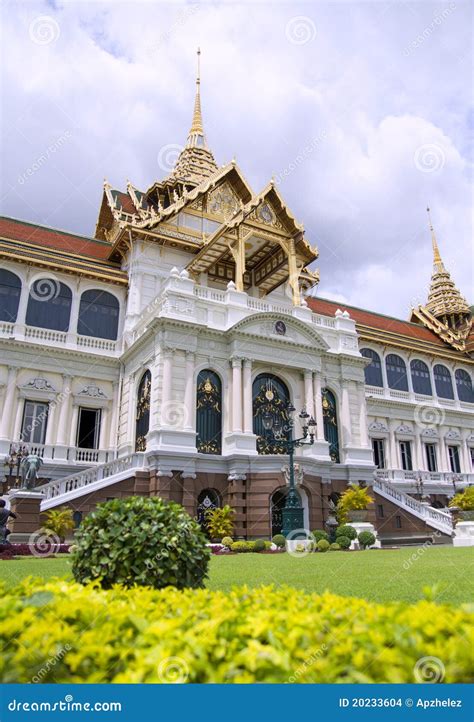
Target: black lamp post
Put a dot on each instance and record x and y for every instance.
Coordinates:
(292, 513)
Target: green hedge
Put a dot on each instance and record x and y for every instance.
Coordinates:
(247, 635)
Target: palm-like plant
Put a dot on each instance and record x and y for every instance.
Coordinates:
(354, 498)
(59, 522)
(220, 522)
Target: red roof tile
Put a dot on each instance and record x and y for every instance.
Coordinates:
(52, 238)
(376, 320)
(124, 201)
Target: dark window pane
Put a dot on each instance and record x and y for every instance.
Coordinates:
(431, 461)
(88, 429)
(464, 386)
(373, 372)
(396, 372)
(420, 377)
(270, 396)
(454, 461)
(10, 290)
(209, 413)
(443, 382)
(142, 421)
(35, 417)
(405, 453)
(98, 315)
(378, 447)
(49, 305)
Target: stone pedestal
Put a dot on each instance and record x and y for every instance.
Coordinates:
(464, 534)
(360, 526)
(27, 506)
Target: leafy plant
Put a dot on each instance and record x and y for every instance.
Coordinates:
(354, 498)
(464, 500)
(366, 539)
(140, 540)
(322, 545)
(335, 547)
(344, 542)
(346, 530)
(227, 541)
(320, 534)
(242, 546)
(220, 522)
(59, 522)
(122, 636)
(259, 545)
(279, 540)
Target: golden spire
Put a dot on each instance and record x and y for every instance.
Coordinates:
(196, 126)
(436, 253)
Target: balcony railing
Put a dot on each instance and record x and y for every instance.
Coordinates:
(428, 477)
(61, 454)
(50, 337)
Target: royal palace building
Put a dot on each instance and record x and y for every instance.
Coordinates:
(142, 361)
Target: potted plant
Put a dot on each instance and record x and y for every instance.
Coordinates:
(220, 522)
(59, 522)
(463, 503)
(353, 504)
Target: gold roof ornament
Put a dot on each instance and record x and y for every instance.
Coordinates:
(196, 161)
(446, 311)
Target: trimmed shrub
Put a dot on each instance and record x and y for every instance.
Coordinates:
(335, 547)
(344, 542)
(268, 545)
(259, 545)
(366, 539)
(125, 636)
(242, 546)
(279, 540)
(320, 534)
(346, 530)
(140, 540)
(227, 541)
(322, 545)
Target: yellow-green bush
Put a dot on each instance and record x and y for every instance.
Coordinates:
(249, 635)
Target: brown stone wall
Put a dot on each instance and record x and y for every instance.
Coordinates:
(28, 516)
(397, 524)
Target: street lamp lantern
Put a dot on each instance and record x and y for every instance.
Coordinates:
(292, 513)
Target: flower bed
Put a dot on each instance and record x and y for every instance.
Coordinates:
(10, 551)
(245, 636)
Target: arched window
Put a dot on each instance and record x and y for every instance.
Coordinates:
(443, 382)
(209, 413)
(98, 315)
(373, 372)
(420, 377)
(331, 433)
(49, 305)
(270, 395)
(464, 386)
(396, 372)
(10, 290)
(208, 499)
(142, 423)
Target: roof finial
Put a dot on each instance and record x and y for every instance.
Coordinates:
(436, 253)
(197, 126)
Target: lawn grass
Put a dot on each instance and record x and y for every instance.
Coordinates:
(375, 575)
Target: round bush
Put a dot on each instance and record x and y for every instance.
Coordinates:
(242, 546)
(335, 547)
(279, 540)
(320, 534)
(322, 545)
(259, 545)
(140, 540)
(227, 541)
(366, 539)
(344, 542)
(346, 530)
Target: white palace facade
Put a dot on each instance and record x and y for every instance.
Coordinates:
(141, 361)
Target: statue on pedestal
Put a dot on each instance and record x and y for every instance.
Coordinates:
(29, 471)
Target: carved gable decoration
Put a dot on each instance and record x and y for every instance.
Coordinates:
(378, 426)
(452, 434)
(429, 432)
(266, 215)
(39, 384)
(223, 201)
(277, 327)
(404, 429)
(93, 391)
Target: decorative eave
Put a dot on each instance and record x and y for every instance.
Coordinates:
(456, 340)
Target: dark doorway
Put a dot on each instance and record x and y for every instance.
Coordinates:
(88, 429)
(277, 506)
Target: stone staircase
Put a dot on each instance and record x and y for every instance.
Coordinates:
(92, 479)
(436, 518)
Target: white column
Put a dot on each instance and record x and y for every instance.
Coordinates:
(189, 395)
(73, 430)
(237, 394)
(419, 455)
(166, 385)
(50, 424)
(76, 300)
(104, 434)
(318, 406)
(364, 436)
(308, 392)
(6, 421)
(346, 416)
(114, 416)
(22, 306)
(20, 407)
(465, 454)
(64, 412)
(443, 461)
(248, 414)
(393, 443)
(132, 408)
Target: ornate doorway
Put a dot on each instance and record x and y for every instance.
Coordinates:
(270, 394)
(208, 499)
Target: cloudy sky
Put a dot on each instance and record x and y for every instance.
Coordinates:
(362, 111)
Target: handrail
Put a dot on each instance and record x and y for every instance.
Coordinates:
(439, 519)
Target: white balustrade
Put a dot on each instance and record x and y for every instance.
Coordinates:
(437, 518)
